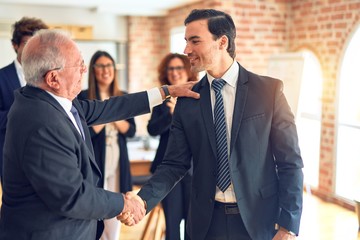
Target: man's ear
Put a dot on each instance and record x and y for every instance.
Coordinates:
(224, 42)
(52, 79)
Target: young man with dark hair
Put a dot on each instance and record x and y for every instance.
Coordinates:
(12, 76)
(241, 140)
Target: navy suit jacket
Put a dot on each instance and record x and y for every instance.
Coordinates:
(9, 81)
(265, 162)
(50, 172)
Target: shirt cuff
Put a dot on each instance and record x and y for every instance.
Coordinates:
(154, 97)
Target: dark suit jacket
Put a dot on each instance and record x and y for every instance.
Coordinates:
(159, 124)
(265, 162)
(9, 81)
(50, 173)
(99, 144)
(176, 203)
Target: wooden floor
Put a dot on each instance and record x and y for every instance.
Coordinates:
(320, 221)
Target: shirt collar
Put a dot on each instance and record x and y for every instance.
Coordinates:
(18, 66)
(230, 76)
(20, 72)
(65, 103)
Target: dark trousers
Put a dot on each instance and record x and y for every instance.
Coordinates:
(226, 223)
(176, 206)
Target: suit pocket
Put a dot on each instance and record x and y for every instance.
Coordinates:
(269, 190)
(253, 117)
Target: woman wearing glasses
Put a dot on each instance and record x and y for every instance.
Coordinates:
(109, 140)
(173, 69)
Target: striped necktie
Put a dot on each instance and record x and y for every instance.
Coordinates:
(75, 113)
(223, 172)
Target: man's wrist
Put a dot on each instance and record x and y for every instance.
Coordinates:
(145, 204)
(165, 92)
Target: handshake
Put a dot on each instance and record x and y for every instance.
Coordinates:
(134, 209)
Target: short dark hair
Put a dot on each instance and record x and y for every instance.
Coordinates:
(219, 24)
(26, 27)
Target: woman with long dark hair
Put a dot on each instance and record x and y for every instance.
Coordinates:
(109, 140)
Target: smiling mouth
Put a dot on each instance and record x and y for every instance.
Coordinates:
(193, 59)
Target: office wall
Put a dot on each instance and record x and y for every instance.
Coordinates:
(325, 27)
(105, 26)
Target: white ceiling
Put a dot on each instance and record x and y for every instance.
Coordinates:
(117, 7)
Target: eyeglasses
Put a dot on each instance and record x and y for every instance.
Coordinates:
(177, 68)
(82, 68)
(103, 66)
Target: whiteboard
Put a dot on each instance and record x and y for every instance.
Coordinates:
(7, 52)
(288, 67)
(88, 48)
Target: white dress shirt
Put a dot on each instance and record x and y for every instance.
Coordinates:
(66, 104)
(20, 73)
(228, 93)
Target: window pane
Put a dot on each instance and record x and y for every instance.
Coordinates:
(348, 132)
(308, 118)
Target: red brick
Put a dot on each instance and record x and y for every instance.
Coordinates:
(339, 16)
(341, 25)
(326, 10)
(354, 6)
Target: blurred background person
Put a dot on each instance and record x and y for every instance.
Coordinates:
(173, 69)
(12, 76)
(109, 140)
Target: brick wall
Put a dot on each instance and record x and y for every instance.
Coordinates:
(324, 27)
(261, 31)
(263, 28)
(148, 42)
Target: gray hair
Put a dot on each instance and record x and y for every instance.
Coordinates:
(42, 53)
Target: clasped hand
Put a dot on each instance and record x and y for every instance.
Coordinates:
(134, 209)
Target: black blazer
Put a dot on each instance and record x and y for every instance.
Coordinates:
(99, 144)
(159, 124)
(50, 172)
(265, 162)
(9, 81)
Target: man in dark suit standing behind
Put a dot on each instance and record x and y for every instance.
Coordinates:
(50, 173)
(247, 169)
(12, 76)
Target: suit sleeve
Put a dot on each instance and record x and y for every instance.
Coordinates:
(51, 163)
(114, 109)
(288, 161)
(176, 163)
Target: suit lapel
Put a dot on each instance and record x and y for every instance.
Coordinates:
(13, 77)
(240, 100)
(87, 134)
(46, 97)
(205, 103)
